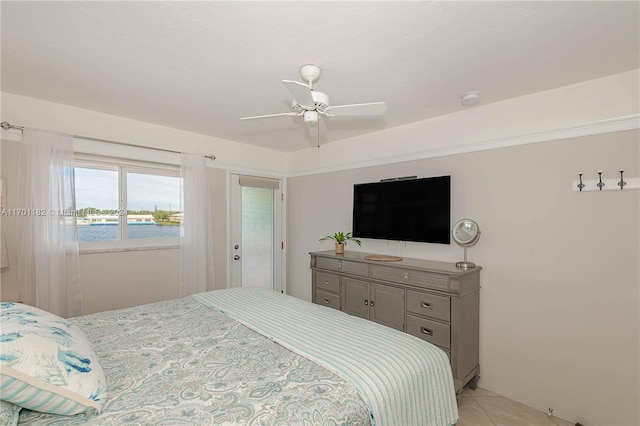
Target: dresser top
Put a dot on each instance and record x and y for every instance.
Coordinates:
(406, 262)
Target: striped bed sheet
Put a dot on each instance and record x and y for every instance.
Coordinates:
(402, 379)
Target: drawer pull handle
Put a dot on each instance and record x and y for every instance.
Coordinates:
(427, 331)
(366, 302)
(406, 275)
(426, 305)
(371, 303)
(326, 282)
(326, 301)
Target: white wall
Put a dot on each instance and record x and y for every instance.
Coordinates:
(122, 279)
(560, 308)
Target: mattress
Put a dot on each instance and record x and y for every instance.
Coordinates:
(250, 356)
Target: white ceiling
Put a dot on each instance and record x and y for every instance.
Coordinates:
(200, 66)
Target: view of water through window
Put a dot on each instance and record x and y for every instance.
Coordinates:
(110, 232)
(153, 207)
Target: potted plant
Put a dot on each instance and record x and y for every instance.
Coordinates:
(341, 240)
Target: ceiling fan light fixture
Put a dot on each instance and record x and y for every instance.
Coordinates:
(311, 118)
(470, 98)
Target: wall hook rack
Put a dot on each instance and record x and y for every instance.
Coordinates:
(601, 184)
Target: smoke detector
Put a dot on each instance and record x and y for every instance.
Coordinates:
(470, 98)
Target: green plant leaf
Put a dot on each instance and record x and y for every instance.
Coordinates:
(341, 238)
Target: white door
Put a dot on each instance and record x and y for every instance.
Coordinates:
(256, 232)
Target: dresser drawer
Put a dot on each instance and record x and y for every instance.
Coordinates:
(431, 331)
(411, 276)
(429, 305)
(344, 266)
(327, 282)
(327, 299)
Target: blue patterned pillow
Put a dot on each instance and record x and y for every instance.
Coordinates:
(47, 364)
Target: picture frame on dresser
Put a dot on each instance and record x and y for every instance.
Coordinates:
(434, 301)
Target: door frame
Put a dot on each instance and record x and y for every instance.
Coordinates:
(279, 231)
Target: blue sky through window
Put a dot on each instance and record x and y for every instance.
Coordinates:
(99, 188)
(148, 192)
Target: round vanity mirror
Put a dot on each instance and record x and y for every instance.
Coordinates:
(466, 233)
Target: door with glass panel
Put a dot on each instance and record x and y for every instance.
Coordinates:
(256, 232)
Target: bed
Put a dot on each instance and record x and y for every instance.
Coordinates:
(252, 356)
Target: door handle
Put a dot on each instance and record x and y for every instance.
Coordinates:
(236, 257)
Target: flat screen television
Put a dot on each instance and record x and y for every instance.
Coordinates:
(404, 210)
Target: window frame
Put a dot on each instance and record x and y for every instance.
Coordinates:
(124, 166)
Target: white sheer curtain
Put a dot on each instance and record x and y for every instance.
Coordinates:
(48, 258)
(196, 242)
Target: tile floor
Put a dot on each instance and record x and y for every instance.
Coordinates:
(483, 408)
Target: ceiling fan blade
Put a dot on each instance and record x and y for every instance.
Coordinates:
(301, 93)
(373, 108)
(284, 114)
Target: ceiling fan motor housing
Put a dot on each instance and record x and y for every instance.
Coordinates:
(320, 99)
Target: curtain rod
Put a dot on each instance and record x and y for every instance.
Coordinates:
(6, 126)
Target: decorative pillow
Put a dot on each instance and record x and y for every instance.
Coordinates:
(9, 413)
(47, 364)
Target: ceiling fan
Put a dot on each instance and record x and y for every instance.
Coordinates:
(310, 104)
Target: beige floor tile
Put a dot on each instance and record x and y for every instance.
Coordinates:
(471, 414)
(506, 412)
(478, 392)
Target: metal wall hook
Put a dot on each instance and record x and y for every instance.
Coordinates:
(580, 185)
(622, 183)
(600, 184)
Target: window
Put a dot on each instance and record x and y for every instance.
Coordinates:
(127, 201)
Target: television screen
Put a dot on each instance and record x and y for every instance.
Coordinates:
(403, 210)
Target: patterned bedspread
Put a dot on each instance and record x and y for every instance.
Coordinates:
(182, 363)
(404, 380)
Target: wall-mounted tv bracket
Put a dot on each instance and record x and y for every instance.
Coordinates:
(399, 178)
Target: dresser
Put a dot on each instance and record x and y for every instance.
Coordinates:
(433, 301)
